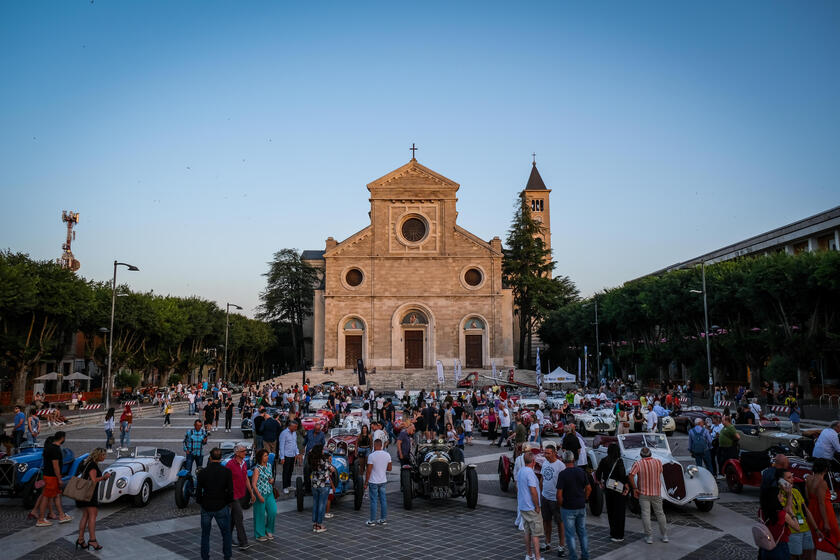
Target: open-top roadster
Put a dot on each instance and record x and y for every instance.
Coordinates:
(20, 472)
(139, 471)
(342, 447)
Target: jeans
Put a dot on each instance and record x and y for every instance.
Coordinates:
(237, 521)
(192, 408)
(704, 460)
(781, 552)
(504, 435)
(264, 514)
(377, 496)
(109, 438)
(125, 434)
(319, 503)
(223, 521)
(655, 502)
(198, 459)
(31, 438)
(574, 523)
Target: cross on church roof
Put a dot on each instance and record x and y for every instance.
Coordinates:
(534, 155)
(413, 149)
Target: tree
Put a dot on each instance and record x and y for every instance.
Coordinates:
(40, 302)
(288, 295)
(527, 268)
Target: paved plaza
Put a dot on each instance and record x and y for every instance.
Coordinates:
(431, 530)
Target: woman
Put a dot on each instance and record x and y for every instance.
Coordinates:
(126, 418)
(90, 509)
(795, 416)
(491, 423)
(623, 420)
(109, 430)
(265, 508)
(228, 415)
(613, 478)
(320, 468)
(638, 419)
(451, 435)
(819, 502)
(33, 427)
(778, 518)
(364, 445)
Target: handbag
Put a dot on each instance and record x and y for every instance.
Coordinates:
(80, 489)
(613, 484)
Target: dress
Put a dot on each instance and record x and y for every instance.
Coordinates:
(94, 501)
(827, 526)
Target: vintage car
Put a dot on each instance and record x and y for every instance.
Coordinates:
(528, 403)
(681, 485)
(758, 438)
(595, 421)
(309, 421)
(20, 472)
(139, 471)
(554, 422)
(746, 471)
(347, 477)
(247, 425)
(438, 471)
(685, 420)
(669, 426)
(468, 381)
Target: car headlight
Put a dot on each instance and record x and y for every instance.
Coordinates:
(692, 470)
(351, 447)
(331, 446)
(454, 468)
(22, 467)
(122, 482)
(425, 469)
(794, 443)
(343, 476)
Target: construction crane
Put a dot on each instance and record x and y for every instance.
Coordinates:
(67, 259)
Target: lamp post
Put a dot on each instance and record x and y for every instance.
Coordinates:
(227, 327)
(706, 316)
(597, 343)
(132, 268)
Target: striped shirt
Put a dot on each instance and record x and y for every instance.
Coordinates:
(649, 470)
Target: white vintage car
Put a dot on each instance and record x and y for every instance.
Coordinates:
(595, 421)
(139, 471)
(680, 485)
(528, 403)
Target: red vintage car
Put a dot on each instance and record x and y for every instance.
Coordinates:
(309, 421)
(746, 471)
(328, 415)
(555, 423)
(470, 380)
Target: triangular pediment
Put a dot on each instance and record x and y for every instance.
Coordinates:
(348, 243)
(413, 174)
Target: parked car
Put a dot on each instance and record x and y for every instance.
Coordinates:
(758, 438)
(685, 420)
(681, 485)
(669, 426)
(139, 471)
(745, 470)
(20, 472)
(347, 478)
(595, 421)
(438, 471)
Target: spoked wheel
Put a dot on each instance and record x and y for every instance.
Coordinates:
(299, 493)
(504, 478)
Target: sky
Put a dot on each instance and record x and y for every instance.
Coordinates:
(195, 139)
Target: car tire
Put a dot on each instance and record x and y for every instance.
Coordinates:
(596, 499)
(733, 481)
(144, 496)
(358, 492)
(472, 488)
(183, 491)
(299, 493)
(407, 487)
(30, 494)
(633, 505)
(704, 505)
(504, 478)
(307, 481)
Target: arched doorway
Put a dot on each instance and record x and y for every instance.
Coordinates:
(474, 330)
(354, 331)
(414, 324)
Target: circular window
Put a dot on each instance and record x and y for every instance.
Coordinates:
(353, 277)
(473, 277)
(414, 229)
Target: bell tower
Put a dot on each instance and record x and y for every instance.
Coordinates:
(537, 196)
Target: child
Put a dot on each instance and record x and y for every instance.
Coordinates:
(166, 412)
(467, 424)
(461, 437)
(451, 436)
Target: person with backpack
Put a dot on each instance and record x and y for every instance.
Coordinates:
(700, 444)
(772, 533)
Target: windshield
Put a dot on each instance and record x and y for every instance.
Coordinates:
(637, 441)
(126, 452)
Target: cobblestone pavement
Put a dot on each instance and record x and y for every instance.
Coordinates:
(431, 530)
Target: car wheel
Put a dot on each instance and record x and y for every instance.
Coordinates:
(307, 481)
(472, 488)
(299, 493)
(733, 481)
(358, 492)
(143, 497)
(183, 491)
(407, 490)
(633, 505)
(704, 505)
(30, 494)
(504, 478)
(596, 499)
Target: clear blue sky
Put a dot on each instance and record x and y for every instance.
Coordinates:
(197, 138)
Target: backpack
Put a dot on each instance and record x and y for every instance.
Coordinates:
(696, 442)
(763, 537)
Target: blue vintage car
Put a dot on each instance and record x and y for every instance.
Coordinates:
(19, 473)
(347, 479)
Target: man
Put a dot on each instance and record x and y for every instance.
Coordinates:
(727, 444)
(214, 492)
(191, 398)
(571, 442)
(258, 419)
(504, 423)
(289, 454)
(645, 483)
(243, 494)
(430, 419)
(551, 469)
(404, 444)
(651, 418)
(827, 443)
(19, 427)
(270, 433)
(379, 433)
(52, 480)
(389, 414)
(520, 432)
(715, 451)
(378, 465)
(573, 491)
(209, 415)
(700, 444)
(661, 413)
(755, 408)
(314, 437)
(770, 476)
(528, 504)
(194, 441)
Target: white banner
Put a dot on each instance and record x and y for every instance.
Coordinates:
(439, 364)
(457, 371)
(539, 370)
(493, 366)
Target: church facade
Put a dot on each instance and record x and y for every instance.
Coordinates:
(412, 287)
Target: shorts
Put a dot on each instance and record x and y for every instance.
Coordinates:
(51, 489)
(468, 434)
(532, 522)
(800, 542)
(550, 510)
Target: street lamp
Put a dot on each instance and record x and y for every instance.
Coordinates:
(227, 327)
(706, 315)
(132, 268)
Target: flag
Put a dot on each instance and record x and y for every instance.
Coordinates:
(493, 366)
(578, 375)
(539, 371)
(457, 370)
(585, 364)
(441, 379)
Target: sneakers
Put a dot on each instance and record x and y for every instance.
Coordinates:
(43, 523)
(383, 522)
(649, 540)
(65, 519)
(320, 529)
(544, 547)
(287, 490)
(561, 551)
(664, 538)
(720, 477)
(245, 546)
(613, 539)
(328, 516)
(368, 523)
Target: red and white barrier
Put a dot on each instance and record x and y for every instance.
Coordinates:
(130, 403)
(683, 400)
(90, 407)
(42, 412)
(724, 403)
(780, 409)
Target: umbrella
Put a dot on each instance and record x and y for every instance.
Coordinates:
(77, 376)
(52, 376)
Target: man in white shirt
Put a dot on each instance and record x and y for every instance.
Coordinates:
(827, 443)
(577, 399)
(191, 398)
(504, 423)
(755, 408)
(376, 477)
(551, 467)
(652, 419)
(379, 433)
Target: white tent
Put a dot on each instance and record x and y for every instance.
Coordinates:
(51, 376)
(76, 376)
(559, 375)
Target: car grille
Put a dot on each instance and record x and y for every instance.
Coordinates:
(105, 488)
(602, 426)
(440, 474)
(7, 474)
